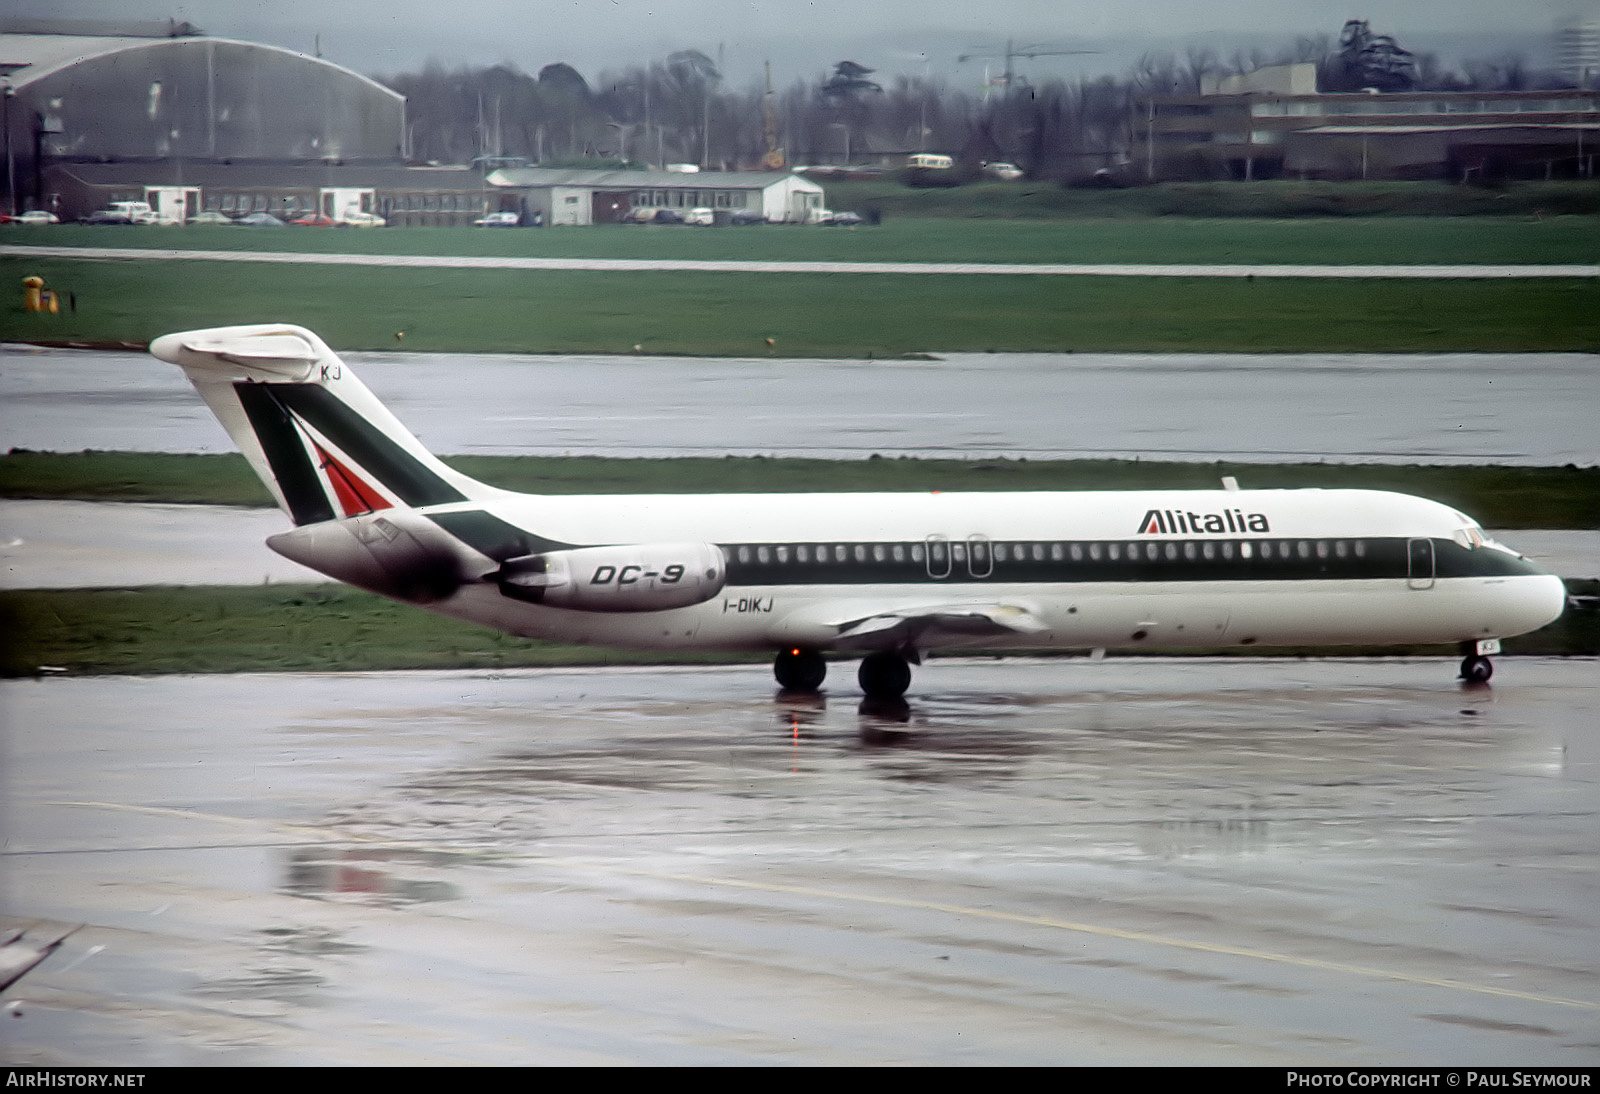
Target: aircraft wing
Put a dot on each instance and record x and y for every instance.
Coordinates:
(934, 625)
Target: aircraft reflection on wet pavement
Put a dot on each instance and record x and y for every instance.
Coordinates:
(887, 577)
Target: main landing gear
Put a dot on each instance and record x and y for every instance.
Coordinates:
(883, 675)
(799, 669)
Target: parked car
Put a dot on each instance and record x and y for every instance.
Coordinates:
(313, 220)
(259, 220)
(123, 212)
(1009, 172)
(498, 220)
(667, 216)
(210, 216)
(356, 218)
(843, 220)
(746, 216)
(703, 217)
(33, 216)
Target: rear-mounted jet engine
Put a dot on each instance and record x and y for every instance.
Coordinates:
(646, 577)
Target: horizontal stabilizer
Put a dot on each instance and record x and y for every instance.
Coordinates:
(267, 354)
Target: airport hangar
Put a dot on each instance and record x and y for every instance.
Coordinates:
(97, 112)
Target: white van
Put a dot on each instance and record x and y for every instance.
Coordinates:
(137, 212)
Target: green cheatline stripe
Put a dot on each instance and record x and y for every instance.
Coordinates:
(393, 466)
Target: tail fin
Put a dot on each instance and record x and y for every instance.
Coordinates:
(316, 436)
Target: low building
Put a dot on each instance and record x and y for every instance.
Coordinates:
(403, 196)
(1267, 124)
(563, 197)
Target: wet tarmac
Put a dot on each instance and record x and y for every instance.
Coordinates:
(1165, 862)
(1408, 408)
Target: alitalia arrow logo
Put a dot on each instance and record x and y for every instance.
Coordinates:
(1178, 521)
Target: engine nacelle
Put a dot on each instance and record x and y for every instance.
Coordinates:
(638, 577)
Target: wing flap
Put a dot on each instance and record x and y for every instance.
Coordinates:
(933, 625)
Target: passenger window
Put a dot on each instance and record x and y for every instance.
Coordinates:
(999, 552)
(899, 552)
(1038, 552)
(861, 552)
(802, 553)
(878, 552)
(763, 554)
(744, 554)
(783, 554)
(1114, 550)
(1077, 552)
(1189, 550)
(1303, 549)
(1208, 549)
(1172, 552)
(1244, 549)
(1151, 550)
(1056, 554)
(1322, 548)
(916, 552)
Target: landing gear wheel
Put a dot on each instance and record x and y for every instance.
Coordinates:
(884, 675)
(799, 670)
(1476, 669)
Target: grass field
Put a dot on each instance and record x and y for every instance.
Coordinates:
(1500, 497)
(850, 315)
(294, 628)
(1315, 241)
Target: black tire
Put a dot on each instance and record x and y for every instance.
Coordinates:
(884, 675)
(799, 670)
(1476, 669)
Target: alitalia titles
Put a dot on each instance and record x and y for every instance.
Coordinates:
(1179, 522)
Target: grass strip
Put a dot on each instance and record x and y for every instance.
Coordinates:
(301, 628)
(1498, 496)
(122, 302)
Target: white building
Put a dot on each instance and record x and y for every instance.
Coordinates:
(577, 196)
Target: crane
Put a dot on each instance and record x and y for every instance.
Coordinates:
(1013, 51)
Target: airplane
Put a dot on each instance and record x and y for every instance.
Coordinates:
(886, 577)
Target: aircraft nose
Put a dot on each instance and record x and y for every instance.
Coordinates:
(1541, 603)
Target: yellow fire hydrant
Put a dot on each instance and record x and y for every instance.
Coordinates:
(35, 297)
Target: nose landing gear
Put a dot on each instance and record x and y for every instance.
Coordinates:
(1476, 668)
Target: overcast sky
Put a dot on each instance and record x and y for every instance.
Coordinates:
(803, 37)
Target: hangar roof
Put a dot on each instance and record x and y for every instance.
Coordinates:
(28, 58)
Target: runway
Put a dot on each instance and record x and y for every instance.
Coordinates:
(1338, 862)
(1351, 408)
(1008, 269)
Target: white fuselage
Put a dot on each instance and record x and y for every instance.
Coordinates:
(1192, 568)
